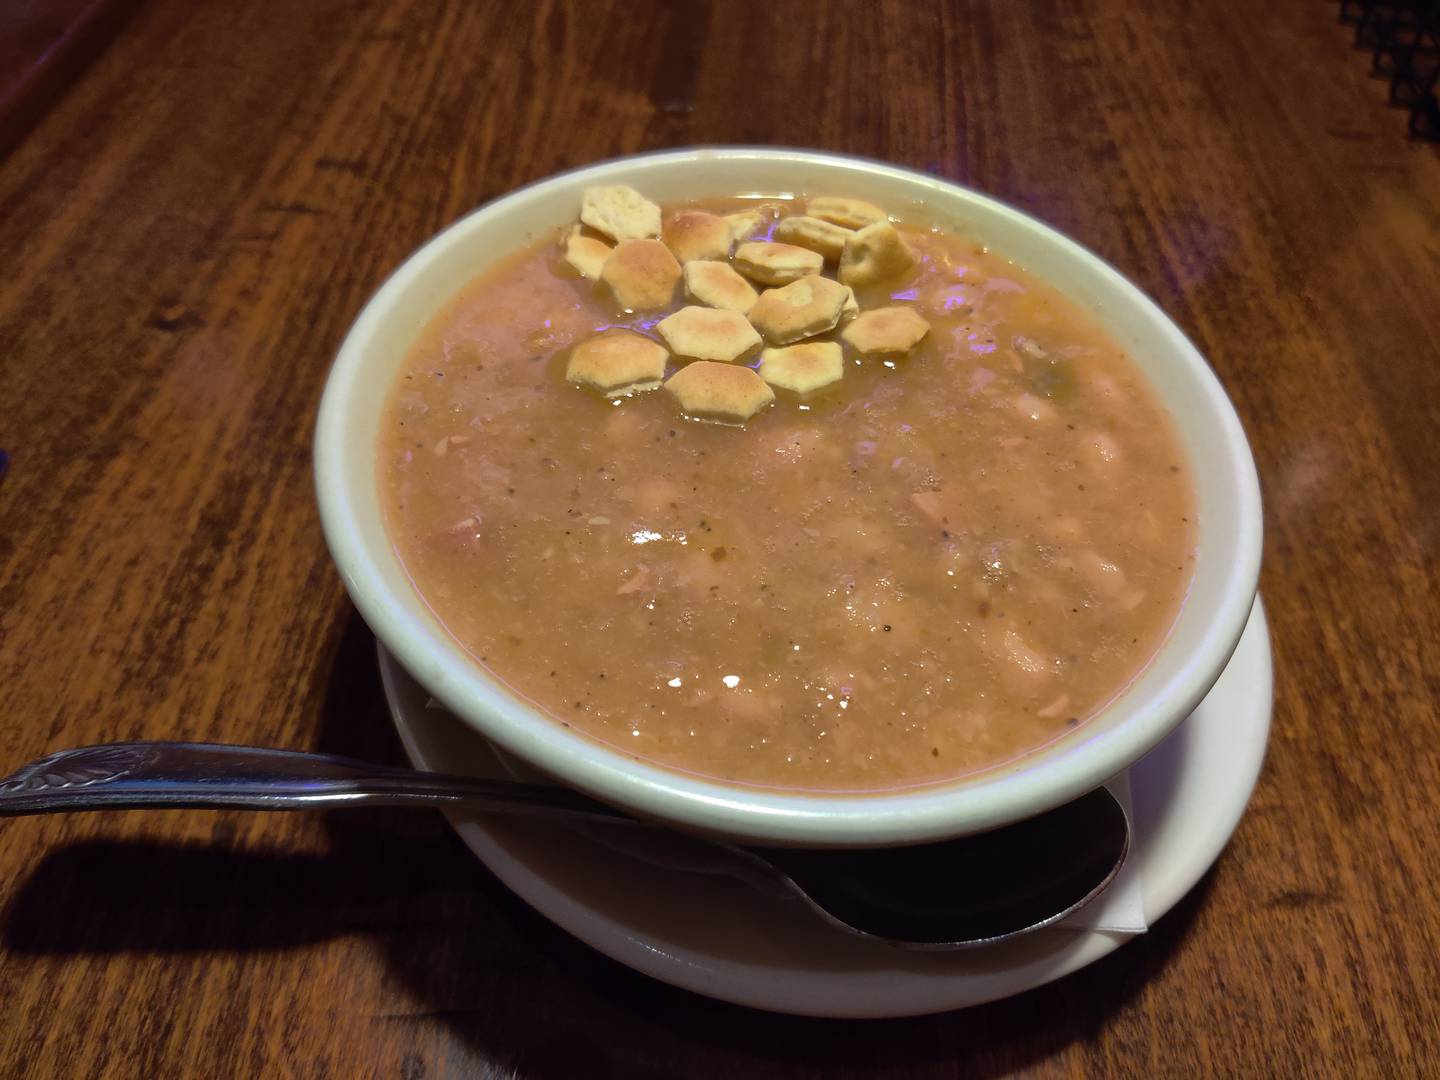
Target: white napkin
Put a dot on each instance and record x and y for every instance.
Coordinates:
(1120, 909)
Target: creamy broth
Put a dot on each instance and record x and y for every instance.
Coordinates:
(939, 563)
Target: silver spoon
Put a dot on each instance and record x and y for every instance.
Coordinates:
(977, 890)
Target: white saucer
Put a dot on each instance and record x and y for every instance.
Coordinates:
(719, 937)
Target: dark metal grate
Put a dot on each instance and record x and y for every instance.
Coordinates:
(1404, 35)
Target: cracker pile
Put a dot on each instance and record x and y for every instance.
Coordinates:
(742, 295)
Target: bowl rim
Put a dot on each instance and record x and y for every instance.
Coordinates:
(1026, 786)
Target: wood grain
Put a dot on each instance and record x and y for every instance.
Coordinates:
(186, 235)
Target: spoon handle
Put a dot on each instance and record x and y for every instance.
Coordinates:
(156, 775)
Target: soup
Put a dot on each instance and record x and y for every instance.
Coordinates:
(913, 517)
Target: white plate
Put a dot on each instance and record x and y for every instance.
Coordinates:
(721, 938)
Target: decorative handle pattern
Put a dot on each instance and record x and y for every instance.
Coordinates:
(127, 776)
(78, 768)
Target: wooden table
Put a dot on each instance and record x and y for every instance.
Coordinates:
(186, 233)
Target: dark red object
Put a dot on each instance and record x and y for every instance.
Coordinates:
(1404, 35)
(44, 47)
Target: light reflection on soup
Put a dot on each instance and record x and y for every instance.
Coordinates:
(938, 563)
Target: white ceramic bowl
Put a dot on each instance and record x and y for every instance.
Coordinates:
(1227, 564)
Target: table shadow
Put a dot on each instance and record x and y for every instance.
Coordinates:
(514, 990)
